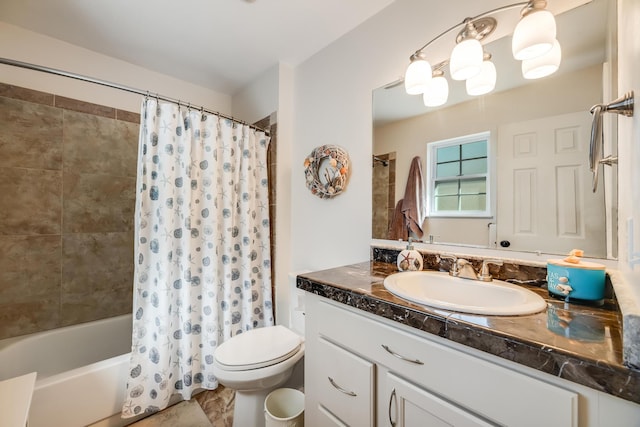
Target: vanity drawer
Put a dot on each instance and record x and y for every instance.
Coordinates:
(345, 384)
(493, 391)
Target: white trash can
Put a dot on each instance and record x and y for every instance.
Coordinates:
(284, 407)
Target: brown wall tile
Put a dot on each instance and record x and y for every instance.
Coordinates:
(96, 262)
(85, 307)
(97, 276)
(84, 107)
(98, 203)
(98, 145)
(127, 116)
(29, 267)
(24, 94)
(31, 201)
(25, 317)
(31, 135)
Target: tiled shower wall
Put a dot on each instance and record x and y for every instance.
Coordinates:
(67, 196)
(384, 195)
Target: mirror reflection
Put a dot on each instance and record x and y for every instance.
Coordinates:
(534, 191)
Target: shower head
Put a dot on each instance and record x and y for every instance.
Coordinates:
(385, 163)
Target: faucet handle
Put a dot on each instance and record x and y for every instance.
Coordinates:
(453, 271)
(484, 272)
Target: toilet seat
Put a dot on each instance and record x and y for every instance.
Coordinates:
(258, 348)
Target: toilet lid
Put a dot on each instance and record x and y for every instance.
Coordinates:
(258, 348)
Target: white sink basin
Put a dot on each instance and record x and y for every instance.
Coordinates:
(438, 289)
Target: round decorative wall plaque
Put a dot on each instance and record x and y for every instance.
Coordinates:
(326, 171)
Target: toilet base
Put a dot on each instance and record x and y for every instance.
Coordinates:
(248, 408)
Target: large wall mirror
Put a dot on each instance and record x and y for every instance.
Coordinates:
(541, 196)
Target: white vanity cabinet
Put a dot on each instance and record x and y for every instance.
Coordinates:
(362, 370)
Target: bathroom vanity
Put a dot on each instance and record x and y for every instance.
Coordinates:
(374, 359)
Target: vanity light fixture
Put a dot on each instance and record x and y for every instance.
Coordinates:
(534, 42)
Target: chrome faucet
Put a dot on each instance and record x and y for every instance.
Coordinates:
(464, 268)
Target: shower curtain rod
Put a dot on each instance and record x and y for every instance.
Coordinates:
(157, 96)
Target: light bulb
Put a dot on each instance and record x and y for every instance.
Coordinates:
(466, 59)
(544, 65)
(534, 35)
(437, 92)
(417, 76)
(484, 82)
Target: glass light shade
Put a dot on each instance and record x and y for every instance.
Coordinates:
(544, 65)
(437, 92)
(417, 76)
(534, 35)
(484, 82)
(466, 59)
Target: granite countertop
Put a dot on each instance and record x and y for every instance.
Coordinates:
(578, 343)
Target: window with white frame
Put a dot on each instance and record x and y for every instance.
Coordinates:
(459, 181)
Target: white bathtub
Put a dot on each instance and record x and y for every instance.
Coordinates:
(82, 371)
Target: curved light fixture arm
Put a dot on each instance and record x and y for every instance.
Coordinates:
(472, 19)
(624, 106)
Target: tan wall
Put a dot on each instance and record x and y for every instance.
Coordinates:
(67, 196)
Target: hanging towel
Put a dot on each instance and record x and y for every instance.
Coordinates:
(413, 205)
(397, 227)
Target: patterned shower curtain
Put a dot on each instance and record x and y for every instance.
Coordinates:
(202, 257)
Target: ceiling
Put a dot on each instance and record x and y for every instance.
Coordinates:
(219, 44)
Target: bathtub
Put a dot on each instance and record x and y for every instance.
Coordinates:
(82, 372)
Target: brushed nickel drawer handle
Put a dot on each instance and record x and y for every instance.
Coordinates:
(340, 389)
(401, 357)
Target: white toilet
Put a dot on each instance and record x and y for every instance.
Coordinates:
(255, 363)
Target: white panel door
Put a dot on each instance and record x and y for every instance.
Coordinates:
(544, 187)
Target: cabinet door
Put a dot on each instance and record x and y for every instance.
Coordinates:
(345, 385)
(327, 419)
(412, 406)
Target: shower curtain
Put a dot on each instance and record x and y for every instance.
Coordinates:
(202, 257)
